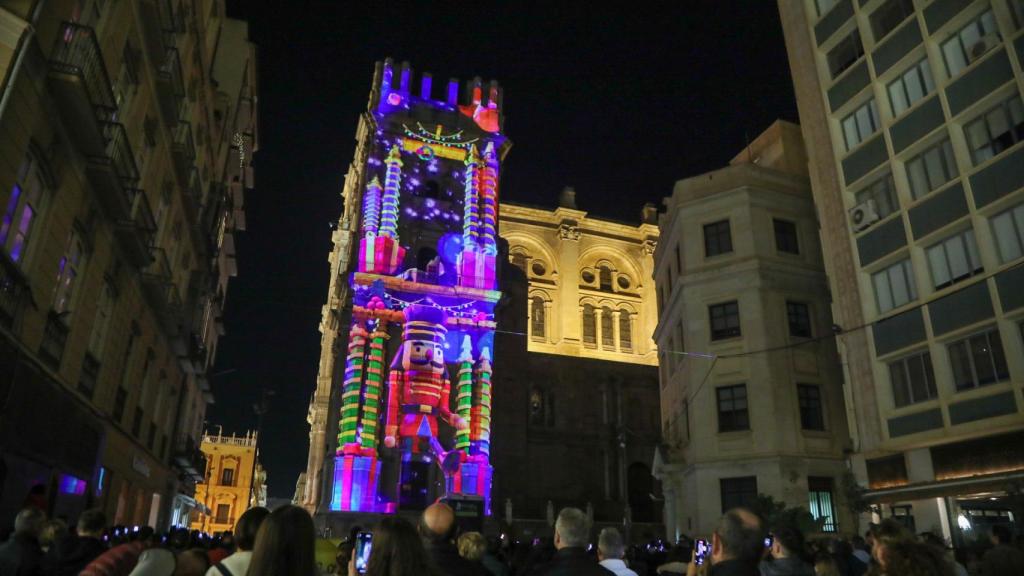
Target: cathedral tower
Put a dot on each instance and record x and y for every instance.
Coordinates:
(410, 311)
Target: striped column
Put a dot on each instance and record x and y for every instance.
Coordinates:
(352, 386)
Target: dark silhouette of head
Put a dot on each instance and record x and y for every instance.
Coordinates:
(248, 526)
(739, 536)
(437, 524)
(285, 544)
(397, 550)
(92, 523)
(1001, 535)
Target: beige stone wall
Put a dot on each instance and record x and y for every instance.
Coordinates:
(558, 249)
(770, 362)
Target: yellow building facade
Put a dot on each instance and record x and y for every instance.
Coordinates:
(234, 482)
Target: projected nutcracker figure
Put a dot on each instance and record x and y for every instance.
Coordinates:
(423, 293)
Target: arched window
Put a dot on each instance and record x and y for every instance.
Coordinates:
(607, 329)
(625, 331)
(589, 326)
(537, 318)
(605, 277)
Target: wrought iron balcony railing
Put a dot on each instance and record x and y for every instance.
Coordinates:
(119, 153)
(13, 292)
(77, 53)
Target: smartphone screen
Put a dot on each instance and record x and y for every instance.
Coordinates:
(768, 541)
(702, 551)
(364, 541)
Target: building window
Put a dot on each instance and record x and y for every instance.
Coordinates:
(911, 86)
(799, 317)
(732, 408)
(969, 43)
(625, 331)
(717, 238)
(223, 510)
(101, 324)
(604, 277)
(913, 379)
(883, 193)
(846, 52)
(725, 320)
(811, 415)
(894, 286)
(954, 259)
(978, 360)
(1017, 6)
(819, 494)
(227, 477)
(931, 169)
(537, 318)
(824, 6)
(861, 124)
(607, 329)
(538, 268)
(996, 130)
(137, 423)
(542, 408)
(22, 210)
(67, 273)
(888, 16)
(120, 398)
(589, 326)
(738, 492)
(1008, 230)
(785, 237)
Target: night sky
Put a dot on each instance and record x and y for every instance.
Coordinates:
(616, 102)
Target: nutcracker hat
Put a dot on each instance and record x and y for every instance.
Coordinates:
(424, 323)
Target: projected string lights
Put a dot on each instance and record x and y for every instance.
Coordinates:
(423, 297)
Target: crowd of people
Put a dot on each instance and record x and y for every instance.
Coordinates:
(283, 543)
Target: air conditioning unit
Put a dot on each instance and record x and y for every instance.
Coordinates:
(863, 215)
(982, 46)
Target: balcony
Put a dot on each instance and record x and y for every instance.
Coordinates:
(193, 194)
(170, 85)
(190, 460)
(162, 21)
(113, 173)
(194, 359)
(90, 375)
(55, 336)
(138, 231)
(183, 149)
(161, 292)
(81, 85)
(14, 292)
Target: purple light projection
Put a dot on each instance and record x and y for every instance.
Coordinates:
(433, 179)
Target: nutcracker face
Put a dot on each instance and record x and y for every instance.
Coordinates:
(424, 355)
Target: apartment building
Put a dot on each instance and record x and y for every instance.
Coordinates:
(126, 135)
(751, 389)
(911, 111)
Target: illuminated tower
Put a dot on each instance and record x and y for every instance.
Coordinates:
(415, 266)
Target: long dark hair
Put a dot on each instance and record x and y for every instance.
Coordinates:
(285, 545)
(398, 551)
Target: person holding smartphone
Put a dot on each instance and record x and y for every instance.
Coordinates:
(734, 549)
(394, 548)
(786, 544)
